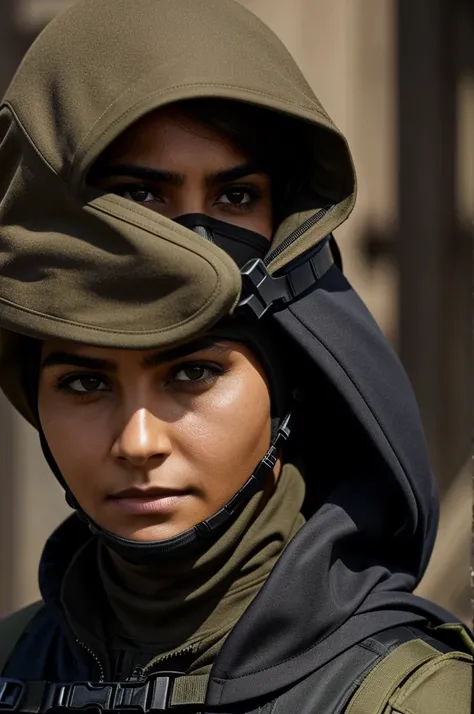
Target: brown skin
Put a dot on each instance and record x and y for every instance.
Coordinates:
(190, 429)
(190, 158)
(192, 426)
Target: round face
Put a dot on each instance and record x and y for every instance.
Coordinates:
(176, 166)
(152, 443)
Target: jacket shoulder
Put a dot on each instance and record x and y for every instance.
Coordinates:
(13, 627)
(419, 675)
(443, 684)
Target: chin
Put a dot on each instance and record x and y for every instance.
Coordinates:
(149, 533)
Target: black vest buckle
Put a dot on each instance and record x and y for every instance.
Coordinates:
(262, 292)
(152, 695)
(11, 694)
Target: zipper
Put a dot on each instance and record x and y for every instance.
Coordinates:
(305, 226)
(95, 658)
(139, 674)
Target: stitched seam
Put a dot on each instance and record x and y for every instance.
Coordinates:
(135, 219)
(429, 667)
(170, 89)
(85, 326)
(373, 646)
(30, 139)
(283, 661)
(143, 223)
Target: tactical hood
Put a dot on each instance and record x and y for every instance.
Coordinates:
(133, 279)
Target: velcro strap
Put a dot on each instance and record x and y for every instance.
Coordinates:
(156, 694)
(382, 681)
(189, 689)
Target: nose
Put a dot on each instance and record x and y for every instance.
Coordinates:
(142, 438)
(191, 200)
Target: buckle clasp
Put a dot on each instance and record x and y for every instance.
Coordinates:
(262, 290)
(11, 694)
(150, 696)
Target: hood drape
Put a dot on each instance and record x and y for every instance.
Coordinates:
(84, 265)
(94, 71)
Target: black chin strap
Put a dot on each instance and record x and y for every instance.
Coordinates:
(199, 536)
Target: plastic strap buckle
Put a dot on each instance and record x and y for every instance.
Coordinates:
(153, 695)
(262, 291)
(149, 696)
(11, 694)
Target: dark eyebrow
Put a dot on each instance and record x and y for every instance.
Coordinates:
(203, 343)
(104, 365)
(233, 174)
(74, 360)
(147, 173)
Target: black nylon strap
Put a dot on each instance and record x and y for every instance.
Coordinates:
(156, 694)
(262, 292)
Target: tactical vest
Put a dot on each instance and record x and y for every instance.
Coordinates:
(384, 673)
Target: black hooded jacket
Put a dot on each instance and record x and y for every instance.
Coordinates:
(349, 572)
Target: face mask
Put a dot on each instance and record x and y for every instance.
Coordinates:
(241, 244)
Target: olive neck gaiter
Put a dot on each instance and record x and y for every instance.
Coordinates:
(192, 605)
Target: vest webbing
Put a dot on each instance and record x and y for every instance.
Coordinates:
(382, 681)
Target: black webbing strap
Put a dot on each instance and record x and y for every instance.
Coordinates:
(156, 694)
(262, 292)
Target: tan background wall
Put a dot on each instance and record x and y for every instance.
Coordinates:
(346, 48)
(347, 52)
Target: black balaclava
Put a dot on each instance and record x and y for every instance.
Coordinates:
(266, 341)
(241, 244)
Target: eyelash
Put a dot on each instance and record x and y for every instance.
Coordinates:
(63, 383)
(254, 192)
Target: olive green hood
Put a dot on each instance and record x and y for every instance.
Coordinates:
(80, 264)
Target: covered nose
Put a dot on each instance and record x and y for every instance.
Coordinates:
(241, 244)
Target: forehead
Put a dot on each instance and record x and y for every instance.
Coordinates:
(61, 352)
(168, 135)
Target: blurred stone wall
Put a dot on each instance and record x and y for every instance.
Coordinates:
(348, 52)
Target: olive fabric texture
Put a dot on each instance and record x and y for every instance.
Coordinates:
(133, 279)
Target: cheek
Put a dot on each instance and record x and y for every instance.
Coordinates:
(261, 219)
(229, 431)
(264, 221)
(77, 443)
(264, 225)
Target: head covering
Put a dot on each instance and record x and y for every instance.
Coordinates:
(81, 264)
(265, 342)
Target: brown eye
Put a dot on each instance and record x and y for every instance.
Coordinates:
(196, 374)
(86, 384)
(193, 373)
(139, 195)
(236, 197)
